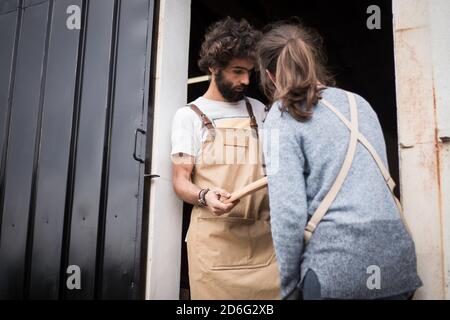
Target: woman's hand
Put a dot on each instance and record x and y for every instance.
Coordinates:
(214, 202)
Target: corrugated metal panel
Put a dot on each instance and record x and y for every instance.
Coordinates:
(8, 6)
(72, 104)
(26, 113)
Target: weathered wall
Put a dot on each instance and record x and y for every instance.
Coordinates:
(422, 50)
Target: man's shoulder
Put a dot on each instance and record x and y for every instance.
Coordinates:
(256, 103)
(185, 113)
(185, 110)
(200, 103)
(259, 108)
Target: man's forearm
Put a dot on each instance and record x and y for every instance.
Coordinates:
(186, 190)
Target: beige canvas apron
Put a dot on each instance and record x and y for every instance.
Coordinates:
(232, 256)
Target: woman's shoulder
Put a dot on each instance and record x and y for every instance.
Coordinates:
(335, 94)
(273, 114)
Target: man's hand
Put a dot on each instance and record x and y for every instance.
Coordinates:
(214, 202)
(183, 165)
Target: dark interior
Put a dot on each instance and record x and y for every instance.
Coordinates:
(360, 59)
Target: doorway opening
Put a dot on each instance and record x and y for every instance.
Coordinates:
(361, 59)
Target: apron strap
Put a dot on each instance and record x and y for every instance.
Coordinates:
(253, 122)
(206, 122)
(384, 171)
(329, 198)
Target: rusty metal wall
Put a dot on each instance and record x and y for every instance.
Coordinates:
(73, 115)
(422, 48)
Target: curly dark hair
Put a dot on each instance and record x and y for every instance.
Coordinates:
(225, 40)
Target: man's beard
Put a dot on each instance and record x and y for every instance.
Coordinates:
(230, 93)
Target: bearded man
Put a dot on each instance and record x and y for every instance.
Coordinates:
(215, 150)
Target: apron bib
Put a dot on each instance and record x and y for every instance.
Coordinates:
(232, 256)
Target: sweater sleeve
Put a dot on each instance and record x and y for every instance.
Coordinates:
(288, 206)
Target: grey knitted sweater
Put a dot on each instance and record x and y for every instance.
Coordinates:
(360, 250)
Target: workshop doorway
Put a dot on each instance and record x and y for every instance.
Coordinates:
(361, 59)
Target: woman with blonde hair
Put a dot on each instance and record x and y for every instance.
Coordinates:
(336, 225)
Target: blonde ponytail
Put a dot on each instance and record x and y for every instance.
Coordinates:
(288, 52)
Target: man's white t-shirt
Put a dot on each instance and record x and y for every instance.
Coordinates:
(188, 131)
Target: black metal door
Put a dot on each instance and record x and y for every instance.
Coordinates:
(74, 79)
